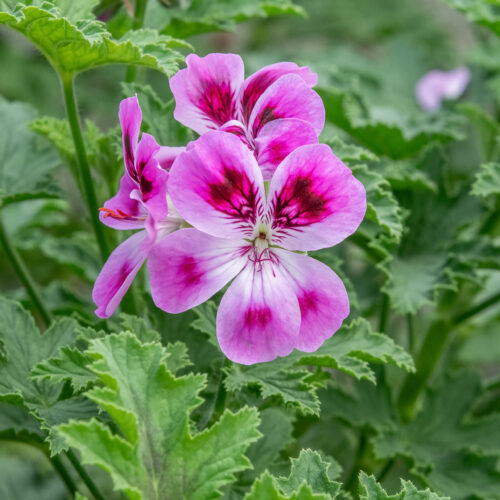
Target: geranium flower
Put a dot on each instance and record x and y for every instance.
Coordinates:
(279, 299)
(273, 111)
(141, 203)
(437, 85)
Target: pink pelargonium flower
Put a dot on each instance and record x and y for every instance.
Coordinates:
(279, 299)
(273, 111)
(437, 85)
(141, 203)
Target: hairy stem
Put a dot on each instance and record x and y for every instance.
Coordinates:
(139, 11)
(23, 274)
(384, 314)
(460, 318)
(385, 469)
(63, 473)
(84, 476)
(411, 332)
(83, 164)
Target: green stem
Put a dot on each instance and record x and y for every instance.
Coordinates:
(139, 11)
(23, 274)
(411, 332)
(425, 363)
(460, 318)
(358, 459)
(63, 473)
(83, 164)
(384, 314)
(385, 469)
(84, 476)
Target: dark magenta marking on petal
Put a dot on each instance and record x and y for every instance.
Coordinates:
(255, 89)
(258, 316)
(308, 301)
(189, 271)
(265, 116)
(299, 205)
(129, 157)
(236, 196)
(217, 101)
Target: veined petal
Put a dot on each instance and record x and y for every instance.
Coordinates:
(238, 129)
(314, 200)
(188, 267)
(256, 84)
(288, 97)
(259, 315)
(166, 155)
(130, 119)
(217, 186)
(277, 139)
(152, 178)
(123, 211)
(206, 91)
(118, 273)
(322, 297)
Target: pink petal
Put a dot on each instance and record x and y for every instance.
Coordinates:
(188, 267)
(238, 129)
(166, 156)
(217, 186)
(118, 273)
(322, 298)
(206, 91)
(259, 316)
(277, 139)
(152, 178)
(130, 118)
(288, 97)
(255, 85)
(437, 85)
(314, 200)
(122, 211)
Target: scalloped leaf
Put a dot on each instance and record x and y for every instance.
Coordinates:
(85, 44)
(487, 182)
(156, 451)
(20, 151)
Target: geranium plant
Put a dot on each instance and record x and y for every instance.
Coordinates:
(278, 282)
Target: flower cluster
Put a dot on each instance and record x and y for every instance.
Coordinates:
(242, 204)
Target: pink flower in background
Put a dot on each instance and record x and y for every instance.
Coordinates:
(279, 299)
(437, 85)
(273, 111)
(141, 203)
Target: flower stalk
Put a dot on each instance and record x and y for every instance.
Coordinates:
(83, 163)
(24, 275)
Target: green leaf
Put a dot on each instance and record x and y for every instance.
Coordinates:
(386, 132)
(156, 451)
(371, 490)
(310, 468)
(382, 206)
(350, 153)
(199, 16)
(206, 321)
(481, 12)
(25, 162)
(23, 348)
(350, 350)
(139, 328)
(443, 433)
(487, 181)
(75, 47)
(266, 488)
(413, 281)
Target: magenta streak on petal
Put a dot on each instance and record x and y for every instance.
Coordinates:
(258, 316)
(236, 196)
(217, 101)
(298, 205)
(254, 90)
(268, 114)
(129, 157)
